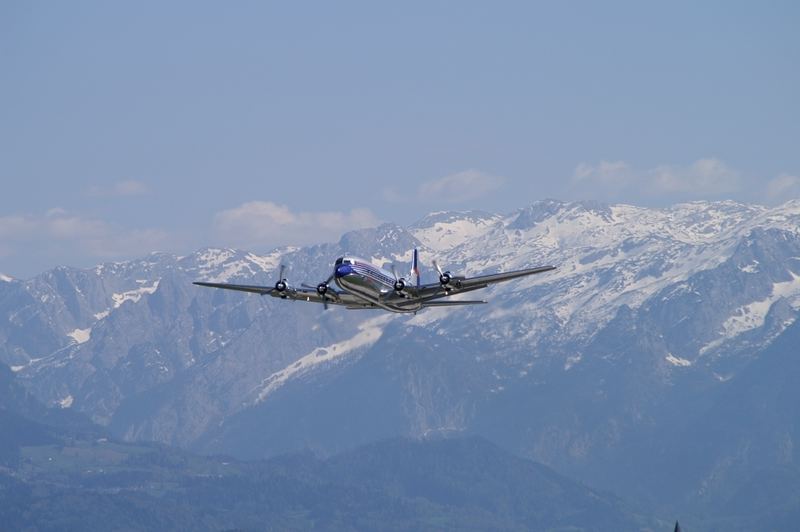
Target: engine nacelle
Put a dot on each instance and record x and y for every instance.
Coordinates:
(322, 288)
(280, 286)
(445, 278)
(400, 285)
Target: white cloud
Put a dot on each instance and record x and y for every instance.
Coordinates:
(14, 227)
(454, 188)
(703, 178)
(267, 224)
(59, 230)
(130, 187)
(783, 188)
(612, 173)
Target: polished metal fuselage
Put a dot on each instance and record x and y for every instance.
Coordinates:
(375, 285)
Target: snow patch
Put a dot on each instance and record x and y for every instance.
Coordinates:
(571, 361)
(80, 336)
(752, 316)
(711, 345)
(446, 235)
(219, 268)
(211, 258)
(396, 259)
(5, 278)
(134, 295)
(231, 270)
(677, 361)
(380, 261)
(101, 315)
(267, 263)
(66, 402)
(369, 332)
(750, 268)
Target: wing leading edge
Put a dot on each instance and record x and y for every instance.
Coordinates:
(255, 289)
(331, 297)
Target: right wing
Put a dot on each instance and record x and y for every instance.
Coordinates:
(460, 284)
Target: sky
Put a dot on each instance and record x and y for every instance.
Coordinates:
(127, 128)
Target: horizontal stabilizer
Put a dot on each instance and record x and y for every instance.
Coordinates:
(451, 303)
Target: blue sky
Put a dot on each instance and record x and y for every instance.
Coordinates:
(131, 127)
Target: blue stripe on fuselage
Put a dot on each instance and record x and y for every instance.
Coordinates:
(372, 275)
(372, 272)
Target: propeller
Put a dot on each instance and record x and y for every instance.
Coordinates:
(399, 282)
(322, 290)
(281, 285)
(444, 277)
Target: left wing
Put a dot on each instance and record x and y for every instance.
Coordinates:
(459, 284)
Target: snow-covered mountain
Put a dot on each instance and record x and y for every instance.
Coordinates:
(650, 313)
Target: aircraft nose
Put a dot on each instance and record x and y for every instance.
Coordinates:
(343, 269)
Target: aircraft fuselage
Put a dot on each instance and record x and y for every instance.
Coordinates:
(376, 285)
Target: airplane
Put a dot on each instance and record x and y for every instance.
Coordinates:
(365, 286)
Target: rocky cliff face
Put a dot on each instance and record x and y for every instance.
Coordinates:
(651, 317)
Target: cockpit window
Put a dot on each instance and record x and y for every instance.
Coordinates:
(339, 261)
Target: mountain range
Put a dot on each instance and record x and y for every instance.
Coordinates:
(659, 361)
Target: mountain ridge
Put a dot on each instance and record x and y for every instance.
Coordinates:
(649, 310)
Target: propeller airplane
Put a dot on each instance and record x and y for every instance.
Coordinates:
(362, 285)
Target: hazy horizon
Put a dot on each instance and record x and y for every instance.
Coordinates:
(173, 127)
(238, 242)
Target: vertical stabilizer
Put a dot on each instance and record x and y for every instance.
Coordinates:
(677, 527)
(415, 265)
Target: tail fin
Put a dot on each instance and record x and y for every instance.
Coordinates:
(415, 265)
